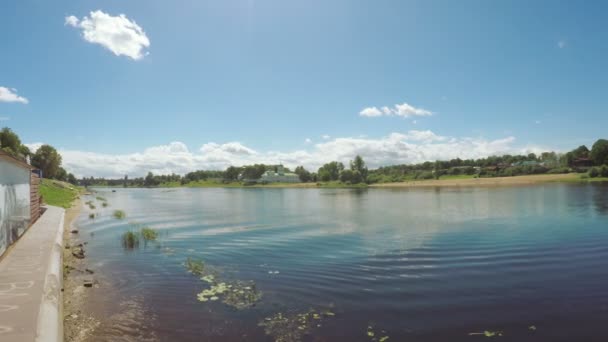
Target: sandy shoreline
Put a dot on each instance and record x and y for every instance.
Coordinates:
(493, 181)
(77, 325)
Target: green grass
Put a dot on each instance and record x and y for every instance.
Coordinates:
(149, 234)
(119, 214)
(99, 198)
(59, 194)
(130, 240)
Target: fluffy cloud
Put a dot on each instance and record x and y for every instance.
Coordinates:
(404, 110)
(10, 95)
(395, 148)
(118, 34)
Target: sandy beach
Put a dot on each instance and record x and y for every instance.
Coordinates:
(494, 181)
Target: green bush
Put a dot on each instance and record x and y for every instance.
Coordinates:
(149, 234)
(593, 172)
(604, 171)
(119, 214)
(130, 240)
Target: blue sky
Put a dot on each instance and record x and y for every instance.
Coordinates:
(252, 77)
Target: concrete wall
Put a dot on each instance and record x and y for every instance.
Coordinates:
(15, 215)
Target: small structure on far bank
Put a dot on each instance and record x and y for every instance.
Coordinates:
(279, 176)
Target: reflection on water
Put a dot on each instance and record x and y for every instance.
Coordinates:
(412, 264)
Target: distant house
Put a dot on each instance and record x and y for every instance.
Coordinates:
(279, 176)
(19, 199)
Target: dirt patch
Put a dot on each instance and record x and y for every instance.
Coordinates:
(77, 277)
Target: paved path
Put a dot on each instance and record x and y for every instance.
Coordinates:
(31, 282)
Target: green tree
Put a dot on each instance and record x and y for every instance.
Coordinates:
(599, 152)
(61, 175)
(358, 165)
(346, 176)
(304, 175)
(232, 173)
(150, 180)
(48, 160)
(72, 179)
(330, 171)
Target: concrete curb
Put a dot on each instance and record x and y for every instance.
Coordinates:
(50, 317)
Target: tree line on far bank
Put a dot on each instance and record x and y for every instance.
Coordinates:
(45, 158)
(593, 161)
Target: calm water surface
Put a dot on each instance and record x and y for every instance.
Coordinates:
(420, 264)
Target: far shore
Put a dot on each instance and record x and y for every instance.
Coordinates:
(449, 182)
(490, 181)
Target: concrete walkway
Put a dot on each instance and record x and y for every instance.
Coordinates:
(31, 282)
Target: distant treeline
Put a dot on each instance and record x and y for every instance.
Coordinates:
(581, 159)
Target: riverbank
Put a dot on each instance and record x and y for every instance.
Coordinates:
(492, 181)
(77, 276)
(445, 181)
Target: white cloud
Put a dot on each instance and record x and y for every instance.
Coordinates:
(10, 95)
(370, 112)
(307, 140)
(118, 34)
(561, 44)
(403, 110)
(395, 148)
(325, 137)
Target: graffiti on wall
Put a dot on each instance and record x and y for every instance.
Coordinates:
(14, 203)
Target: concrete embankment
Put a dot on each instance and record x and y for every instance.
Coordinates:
(31, 283)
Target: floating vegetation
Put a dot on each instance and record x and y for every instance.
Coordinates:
(376, 336)
(130, 240)
(487, 333)
(242, 295)
(99, 198)
(238, 294)
(195, 266)
(92, 216)
(104, 204)
(293, 327)
(119, 214)
(149, 234)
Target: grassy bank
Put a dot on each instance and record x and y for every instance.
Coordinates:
(56, 193)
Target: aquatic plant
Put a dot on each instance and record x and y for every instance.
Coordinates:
(92, 216)
(104, 204)
(119, 214)
(242, 295)
(130, 240)
(375, 336)
(92, 206)
(149, 234)
(99, 198)
(195, 266)
(293, 327)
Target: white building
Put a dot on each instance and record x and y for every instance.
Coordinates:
(15, 210)
(279, 176)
